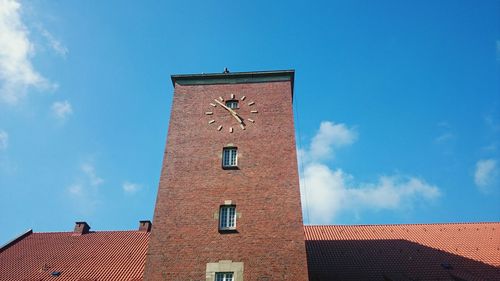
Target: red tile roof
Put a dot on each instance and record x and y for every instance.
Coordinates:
(461, 251)
(103, 255)
(456, 251)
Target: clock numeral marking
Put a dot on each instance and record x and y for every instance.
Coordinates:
(232, 96)
(211, 121)
(251, 120)
(212, 104)
(209, 113)
(242, 126)
(230, 129)
(221, 99)
(219, 128)
(254, 111)
(251, 103)
(243, 97)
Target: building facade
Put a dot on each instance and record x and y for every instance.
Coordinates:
(228, 205)
(228, 208)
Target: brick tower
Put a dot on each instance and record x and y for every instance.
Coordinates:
(228, 206)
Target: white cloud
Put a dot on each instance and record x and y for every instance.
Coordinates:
(492, 122)
(84, 198)
(85, 189)
(330, 136)
(498, 50)
(391, 192)
(333, 192)
(444, 137)
(321, 192)
(129, 187)
(328, 192)
(92, 177)
(6, 165)
(16, 70)
(76, 190)
(444, 124)
(486, 174)
(446, 133)
(55, 44)
(492, 147)
(61, 109)
(4, 139)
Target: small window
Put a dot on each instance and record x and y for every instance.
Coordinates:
(227, 217)
(229, 157)
(233, 104)
(224, 276)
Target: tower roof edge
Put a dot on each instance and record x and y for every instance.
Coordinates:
(234, 77)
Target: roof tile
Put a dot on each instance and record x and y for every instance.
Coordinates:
(396, 252)
(104, 255)
(460, 251)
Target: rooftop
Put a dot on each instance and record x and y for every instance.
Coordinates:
(102, 255)
(452, 251)
(227, 77)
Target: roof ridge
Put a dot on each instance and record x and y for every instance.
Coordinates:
(399, 224)
(97, 231)
(16, 239)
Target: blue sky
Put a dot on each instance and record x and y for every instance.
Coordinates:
(397, 104)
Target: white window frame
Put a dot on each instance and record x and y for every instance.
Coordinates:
(231, 103)
(230, 157)
(224, 276)
(224, 266)
(227, 217)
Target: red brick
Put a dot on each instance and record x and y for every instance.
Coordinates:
(265, 188)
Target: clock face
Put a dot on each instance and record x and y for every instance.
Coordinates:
(230, 113)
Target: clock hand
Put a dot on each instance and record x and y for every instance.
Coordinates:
(227, 108)
(234, 114)
(237, 117)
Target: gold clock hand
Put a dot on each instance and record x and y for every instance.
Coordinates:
(234, 114)
(223, 105)
(237, 117)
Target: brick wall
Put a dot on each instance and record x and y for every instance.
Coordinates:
(265, 189)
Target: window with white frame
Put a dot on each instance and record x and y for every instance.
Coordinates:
(229, 157)
(224, 270)
(227, 217)
(224, 276)
(233, 104)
